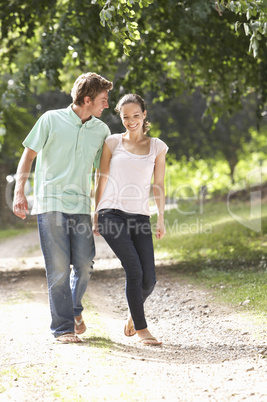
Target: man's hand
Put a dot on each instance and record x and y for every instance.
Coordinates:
(95, 225)
(20, 203)
(20, 206)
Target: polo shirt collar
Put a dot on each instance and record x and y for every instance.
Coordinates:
(75, 118)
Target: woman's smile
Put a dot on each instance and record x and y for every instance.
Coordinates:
(132, 126)
(133, 117)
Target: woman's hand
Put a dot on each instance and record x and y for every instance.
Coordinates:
(160, 228)
(95, 225)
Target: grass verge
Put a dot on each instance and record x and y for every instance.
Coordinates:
(18, 230)
(221, 249)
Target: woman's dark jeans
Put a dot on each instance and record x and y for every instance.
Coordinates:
(130, 237)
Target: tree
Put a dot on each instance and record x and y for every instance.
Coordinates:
(180, 123)
(208, 54)
(252, 15)
(182, 45)
(15, 121)
(159, 48)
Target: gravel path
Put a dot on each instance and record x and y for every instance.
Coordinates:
(209, 352)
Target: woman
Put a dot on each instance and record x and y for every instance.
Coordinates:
(122, 206)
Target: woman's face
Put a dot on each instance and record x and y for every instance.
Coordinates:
(132, 117)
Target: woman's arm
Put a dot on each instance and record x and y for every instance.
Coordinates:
(159, 193)
(101, 181)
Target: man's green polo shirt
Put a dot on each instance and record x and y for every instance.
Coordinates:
(67, 150)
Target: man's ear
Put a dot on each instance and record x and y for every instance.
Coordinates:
(87, 100)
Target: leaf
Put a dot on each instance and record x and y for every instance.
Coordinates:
(246, 29)
(136, 35)
(236, 25)
(2, 132)
(232, 6)
(108, 15)
(126, 50)
(102, 18)
(254, 46)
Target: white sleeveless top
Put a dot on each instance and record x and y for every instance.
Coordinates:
(129, 181)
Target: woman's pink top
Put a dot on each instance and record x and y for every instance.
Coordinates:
(129, 181)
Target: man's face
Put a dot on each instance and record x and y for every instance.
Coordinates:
(99, 104)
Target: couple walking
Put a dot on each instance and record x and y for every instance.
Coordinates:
(67, 143)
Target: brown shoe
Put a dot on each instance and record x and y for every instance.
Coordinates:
(80, 326)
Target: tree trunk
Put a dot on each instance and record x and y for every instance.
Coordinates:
(233, 161)
(232, 171)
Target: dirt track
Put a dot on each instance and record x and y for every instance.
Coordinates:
(209, 352)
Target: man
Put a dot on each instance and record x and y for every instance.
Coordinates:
(67, 142)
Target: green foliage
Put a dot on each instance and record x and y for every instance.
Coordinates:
(18, 122)
(252, 15)
(118, 16)
(15, 122)
(182, 124)
(256, 20)
(65, 34)
(184, 178)
(174, 45)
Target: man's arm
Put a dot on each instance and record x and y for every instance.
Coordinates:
(20, 203)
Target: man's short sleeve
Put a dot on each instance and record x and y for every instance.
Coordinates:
(37, 137)
(99, 152)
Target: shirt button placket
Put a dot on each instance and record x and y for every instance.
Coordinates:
(79, 141)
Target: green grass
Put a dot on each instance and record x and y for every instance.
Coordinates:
(15, 231)
(215, 250)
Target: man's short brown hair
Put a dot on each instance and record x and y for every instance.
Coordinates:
(89, 84)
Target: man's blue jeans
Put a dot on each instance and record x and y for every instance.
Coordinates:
(130, 237)
(66, 240)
